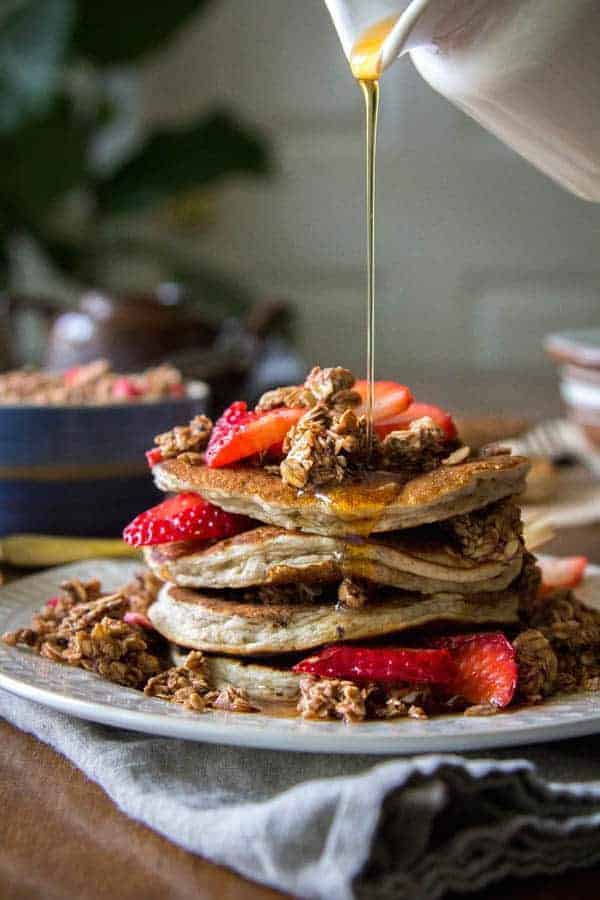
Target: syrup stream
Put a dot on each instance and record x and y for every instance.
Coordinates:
(370, 91)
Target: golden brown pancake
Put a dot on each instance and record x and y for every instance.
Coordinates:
(379, 502)
(408, 560)
(216, 624)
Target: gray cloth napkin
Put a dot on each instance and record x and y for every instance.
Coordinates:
(341, 827)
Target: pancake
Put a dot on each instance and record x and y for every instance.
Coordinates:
(260, 682)
(216, 624)
(410, 561)
(379, 502)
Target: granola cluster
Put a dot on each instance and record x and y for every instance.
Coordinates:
(323, 447)
(111, 636)
(292, 397)
(82, 628)
(492, 533)
(571, 631)
(333, 698)
(290, 592)
(188, 685)
(538, 665)
(330, 440)
(141, 591)
(185, 439)
(350, 593)
(419, 448)
(332, 386)
(92, 384)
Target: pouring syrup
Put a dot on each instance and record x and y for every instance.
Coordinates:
(365, 64)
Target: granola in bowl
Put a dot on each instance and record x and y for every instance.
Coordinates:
(93, 384)
(87, 427)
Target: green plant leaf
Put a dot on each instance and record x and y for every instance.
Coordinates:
(34, 35)
(175, 161)
(41, 161)
(113, 31)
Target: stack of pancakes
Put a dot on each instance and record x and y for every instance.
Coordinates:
(353, 562)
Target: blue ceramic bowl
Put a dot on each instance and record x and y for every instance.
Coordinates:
(81, 470)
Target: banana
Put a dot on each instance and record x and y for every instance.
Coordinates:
(38, 550)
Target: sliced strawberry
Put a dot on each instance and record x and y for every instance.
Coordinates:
(182, 518)
(417, 411)
(53, 601)
(275, 451)
(125, 388)
(561, 573)
(241, 433)
(154, 456)
(136, 618)
(486, 667)
(385, 665)
(481, 668)
(391, 399)
(71, 376)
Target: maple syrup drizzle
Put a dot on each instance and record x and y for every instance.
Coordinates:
(361, 503)
(370, 91)
(365, 63)
(365, 56)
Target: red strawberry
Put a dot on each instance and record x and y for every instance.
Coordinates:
(71, 376)
(154, 456)
(241, 433)
(136, 618)
(53, 601)
(385, 665)
(486, 667)
(182, 518)
(559, 574)
(417, 411)
(391, 399)
(125, 389)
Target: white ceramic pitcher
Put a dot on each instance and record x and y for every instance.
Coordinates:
(527, 70)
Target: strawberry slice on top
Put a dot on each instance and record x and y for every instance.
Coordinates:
(241, 433)
(417, 411)
(182, 518)
(391, 399)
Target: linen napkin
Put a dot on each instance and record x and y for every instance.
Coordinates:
(344, 827)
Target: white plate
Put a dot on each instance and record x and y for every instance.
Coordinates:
(85, 695)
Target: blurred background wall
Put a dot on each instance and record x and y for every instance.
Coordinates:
(478, 254)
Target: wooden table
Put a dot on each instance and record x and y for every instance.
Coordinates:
(61, 837)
